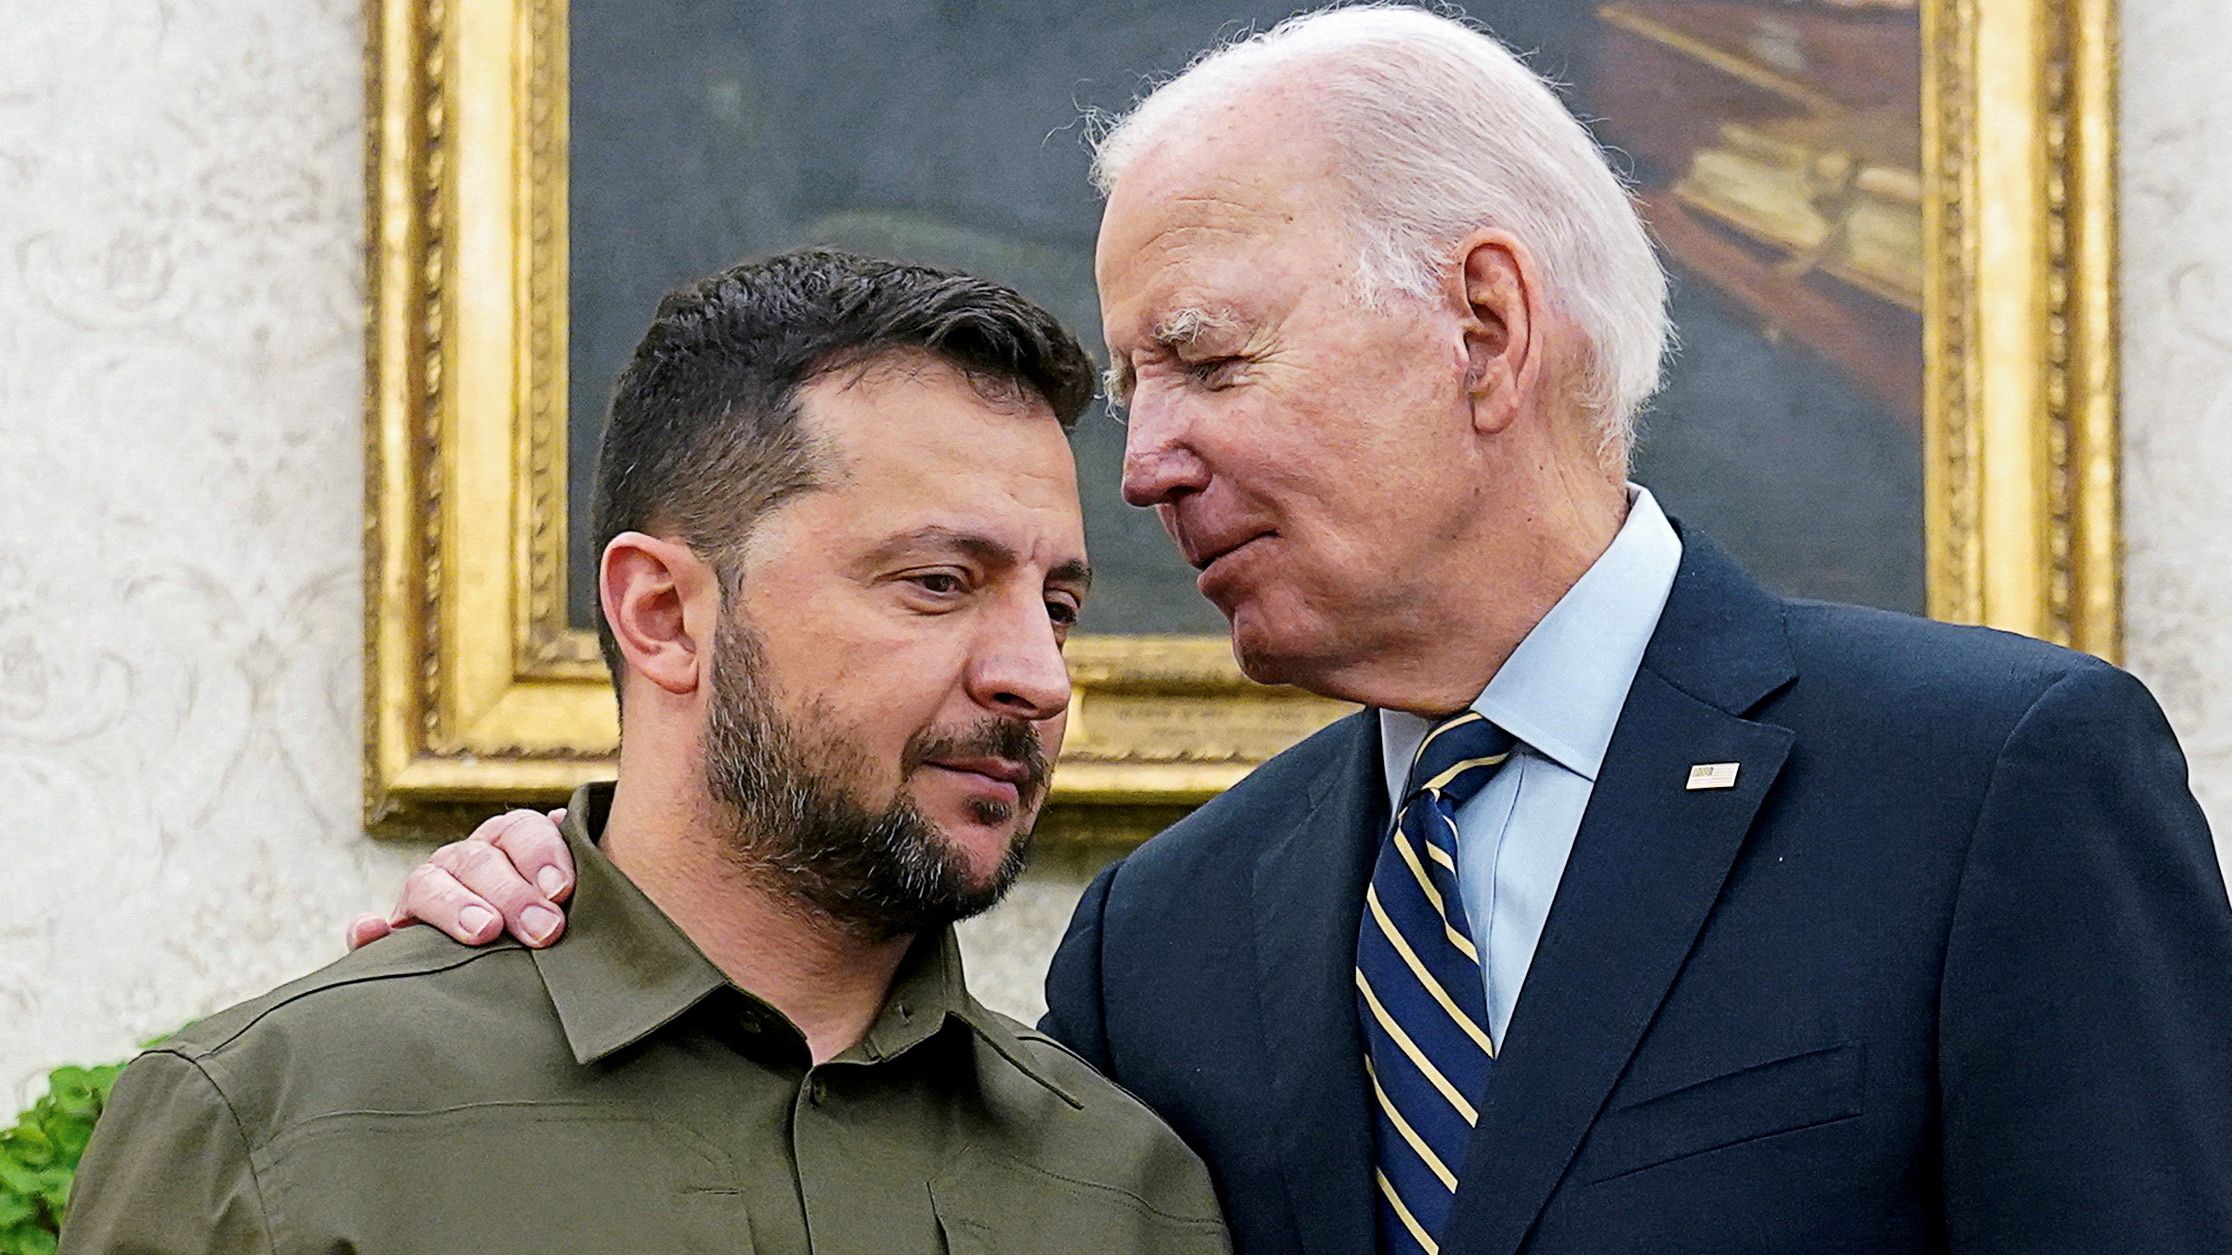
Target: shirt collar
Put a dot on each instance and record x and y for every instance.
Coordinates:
(1561, 691)
(929, 994)
(623, 970)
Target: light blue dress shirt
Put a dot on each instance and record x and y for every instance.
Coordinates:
(1560, 694)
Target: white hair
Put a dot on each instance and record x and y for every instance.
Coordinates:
(1445, 131)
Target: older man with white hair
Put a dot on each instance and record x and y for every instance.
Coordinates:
(1641, 909)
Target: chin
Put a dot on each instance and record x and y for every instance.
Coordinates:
(1261, 665)
(1289, 655)
(981, 842)
(1266, 646)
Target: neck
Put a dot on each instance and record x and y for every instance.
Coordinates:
(667, 840)
(1448, 651)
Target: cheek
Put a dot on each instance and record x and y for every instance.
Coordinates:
(876, 733)
(1264, 442)
(833, 634)
(873, 688)
(896, 693)
(1403, 451)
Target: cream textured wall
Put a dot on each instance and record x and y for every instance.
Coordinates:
(180, 379)
(2176, 135)
(180, 513)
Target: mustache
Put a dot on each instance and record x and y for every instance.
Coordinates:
(991, 737)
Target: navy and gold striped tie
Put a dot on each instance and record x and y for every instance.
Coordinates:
(1420, 993)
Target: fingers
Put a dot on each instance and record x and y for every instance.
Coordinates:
(432, 894)
(365, 929)
(485, 878)
(535, 847)
(509, 876)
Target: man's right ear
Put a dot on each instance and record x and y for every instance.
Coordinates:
(663, 603)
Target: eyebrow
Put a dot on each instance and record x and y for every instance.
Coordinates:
(983, 549)
(1178, 329)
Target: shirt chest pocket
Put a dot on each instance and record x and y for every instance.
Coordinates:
(500, 1178)
(990, 1204)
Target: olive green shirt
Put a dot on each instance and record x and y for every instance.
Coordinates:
(615, 1093)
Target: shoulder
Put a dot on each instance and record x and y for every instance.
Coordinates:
(1292, 775)
(1822, 630)
(1913, 668)
(373, 1028)
(1263, 805)
(1081, 1125)
(1099, 1098)
(363, 985)
(1949, 707)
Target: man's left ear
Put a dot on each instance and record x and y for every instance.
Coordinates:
(1493, 286)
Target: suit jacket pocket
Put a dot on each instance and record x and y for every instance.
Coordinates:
(1760, 1100)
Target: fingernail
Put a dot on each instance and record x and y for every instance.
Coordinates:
(552, 883)
(540, 922)
(475, 920)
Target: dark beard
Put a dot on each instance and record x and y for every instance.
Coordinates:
(878, 874)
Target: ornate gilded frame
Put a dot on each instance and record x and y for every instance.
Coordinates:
(478, 694)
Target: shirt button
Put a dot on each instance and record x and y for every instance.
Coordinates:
(817, 1091)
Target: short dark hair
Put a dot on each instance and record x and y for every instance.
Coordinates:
(703, 437)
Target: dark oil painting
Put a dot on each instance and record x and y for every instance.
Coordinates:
(1775, 146)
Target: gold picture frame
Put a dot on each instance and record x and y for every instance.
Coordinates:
(479, 695)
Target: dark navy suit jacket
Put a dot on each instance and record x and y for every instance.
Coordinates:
(1948, 969)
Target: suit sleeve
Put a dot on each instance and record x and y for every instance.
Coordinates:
(1073, 982)
(167, 1171)
(2085, 1017)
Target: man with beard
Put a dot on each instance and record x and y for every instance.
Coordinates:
(841, 549)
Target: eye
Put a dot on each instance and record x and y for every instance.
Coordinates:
(937, 583)
(1063, 613)
(1215, 373)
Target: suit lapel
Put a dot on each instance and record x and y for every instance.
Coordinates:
(1308, 897)
(1646, 868)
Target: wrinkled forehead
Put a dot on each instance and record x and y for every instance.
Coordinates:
(1253, 152)
(1139, 236)
(1209, 218)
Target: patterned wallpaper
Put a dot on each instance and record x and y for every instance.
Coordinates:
(180, 511)
(2177, 369)
(180, 500)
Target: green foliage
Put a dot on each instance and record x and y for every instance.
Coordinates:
(39, 1155)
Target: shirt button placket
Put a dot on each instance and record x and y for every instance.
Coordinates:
(814, 1144)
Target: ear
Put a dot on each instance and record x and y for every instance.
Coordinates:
(1493, 286)
(663, 603)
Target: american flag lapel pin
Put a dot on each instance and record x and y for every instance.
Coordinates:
(1712, 776)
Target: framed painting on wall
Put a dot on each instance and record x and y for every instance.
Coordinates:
(1889, 223)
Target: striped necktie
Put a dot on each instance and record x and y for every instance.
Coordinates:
(1420, 993)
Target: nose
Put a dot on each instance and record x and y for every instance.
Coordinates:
(1019, 671)
(1159, 465)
